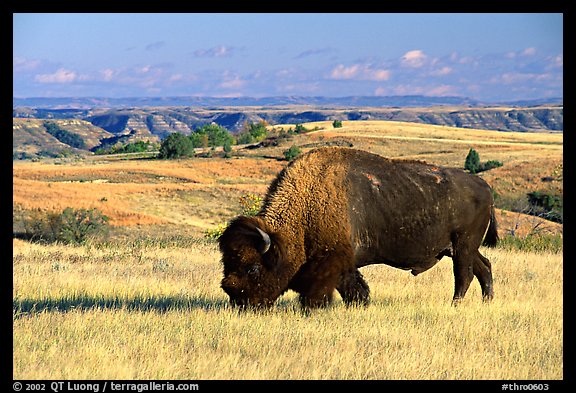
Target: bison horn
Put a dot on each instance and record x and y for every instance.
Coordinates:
(266, 239)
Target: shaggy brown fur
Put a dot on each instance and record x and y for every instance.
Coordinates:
(334, 210)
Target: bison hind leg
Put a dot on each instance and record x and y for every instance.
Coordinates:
(353, 288)
(483, 272)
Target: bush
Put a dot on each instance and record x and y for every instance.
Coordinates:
(337, 123)
(292, 153)
(474, 165)
(77, 225)
(134, 147)
(70, 226)
(251, 205)
(533, 243)
(215, 233)
(547, 206)
(252, 133)
(227, 149)
(300, 129)
(489, 165)
(176, 145)
(211, 135)
(472, 162)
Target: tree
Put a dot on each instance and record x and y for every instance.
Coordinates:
(176, 145)
(227, 149)
(472, 161)
(337, 123)
(474, 165)
(292, 153)
(216, 136)
(252, 132)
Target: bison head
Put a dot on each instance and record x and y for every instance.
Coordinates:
(252, 257)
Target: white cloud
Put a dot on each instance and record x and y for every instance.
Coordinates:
(529, 51)
(60, 76)
(442, 71)
(380, 91)
(379, 75)
(414, 59)
(24, 64)
(342, 72)
(359, 72)
(107, 74)
(510, 78)
(217, 51)
(442, 90)
(232, 81)
(556, 61)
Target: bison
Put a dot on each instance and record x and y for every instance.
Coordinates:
(334, 210)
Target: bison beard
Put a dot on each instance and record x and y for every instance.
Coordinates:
(334, 210)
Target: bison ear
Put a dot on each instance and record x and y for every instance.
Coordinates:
(276, 255)
(244, 229)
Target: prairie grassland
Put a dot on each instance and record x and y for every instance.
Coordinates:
(202, 193)
(151, 311)
(152, 308)
(440, 144)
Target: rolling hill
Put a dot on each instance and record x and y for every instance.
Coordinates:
(155, 123)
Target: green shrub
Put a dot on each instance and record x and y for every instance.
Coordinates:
(337, 123)
(215, 233)
(300, 129)
(176, 145)
(292, 153)
(80, 224)
(545, 205)
(227, 149)
(474, 165)
(251, 205)
(472, 162)
(533, 243)
(252, 133)
(210, 135)
(489, 165)
(134, 147)
(70, 226)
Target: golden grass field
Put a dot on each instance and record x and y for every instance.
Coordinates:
(147, 304)
(149, 312)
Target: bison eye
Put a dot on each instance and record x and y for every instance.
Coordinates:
(253, 270)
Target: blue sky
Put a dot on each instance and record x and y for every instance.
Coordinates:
(490, 57)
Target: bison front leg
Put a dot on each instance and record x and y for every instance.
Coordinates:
(318, 288)
(318, 278)
(353, 288)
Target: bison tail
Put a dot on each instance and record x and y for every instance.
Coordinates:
(491, 236)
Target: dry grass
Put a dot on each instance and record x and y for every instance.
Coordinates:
(440, 144)
(144, 192)
(149, 312)
(202, 193)
(152, 308)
